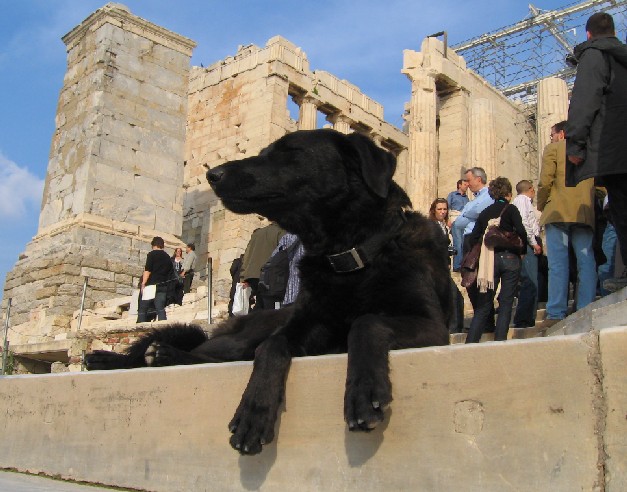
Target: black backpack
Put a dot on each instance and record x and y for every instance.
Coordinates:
(276, 271)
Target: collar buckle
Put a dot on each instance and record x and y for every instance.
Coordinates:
(348, 261)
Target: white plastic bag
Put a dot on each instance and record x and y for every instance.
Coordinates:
(149, 292)
(240, 300)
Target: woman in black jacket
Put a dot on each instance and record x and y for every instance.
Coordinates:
(507, 263)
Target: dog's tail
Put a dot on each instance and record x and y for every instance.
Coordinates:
(177, 335)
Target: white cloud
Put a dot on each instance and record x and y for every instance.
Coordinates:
(20, 190)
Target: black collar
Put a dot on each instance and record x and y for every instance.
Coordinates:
(359, 257)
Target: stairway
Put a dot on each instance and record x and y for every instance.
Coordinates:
(607, 311)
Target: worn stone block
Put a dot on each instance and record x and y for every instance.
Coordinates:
(613, 346)
(467, 426)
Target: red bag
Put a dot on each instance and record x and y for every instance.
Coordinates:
(470, 265)
(495, 237)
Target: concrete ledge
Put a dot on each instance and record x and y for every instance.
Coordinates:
(614, 358)
(538, 414)
(52, 351)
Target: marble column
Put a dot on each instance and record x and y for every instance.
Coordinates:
(341, 123)
(552, 108)
(453, 140)
(483, 137)
(423, 159)
(308, 114)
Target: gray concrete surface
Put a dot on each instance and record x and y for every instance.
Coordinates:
(22, 482)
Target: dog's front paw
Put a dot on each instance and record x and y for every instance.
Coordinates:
(252, 426)
(160, 354)
(365, 402)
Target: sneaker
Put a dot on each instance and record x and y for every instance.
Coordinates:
(615, 284)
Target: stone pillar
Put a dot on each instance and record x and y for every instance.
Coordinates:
(117, 151)
(453, 142)
(308, 114)
(423, 159)
(552, 108)
(341, 123)
(400, 175)
(483, 137)
(115, 173)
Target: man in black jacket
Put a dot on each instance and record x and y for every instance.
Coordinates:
(158, 271)
(597, 118)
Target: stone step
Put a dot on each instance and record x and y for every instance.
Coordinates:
(512, 334)
(606, 312)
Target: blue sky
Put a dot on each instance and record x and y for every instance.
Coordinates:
(361, 42)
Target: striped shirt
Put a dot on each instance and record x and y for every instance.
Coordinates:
(529, 217)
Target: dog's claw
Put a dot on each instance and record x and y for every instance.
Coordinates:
(376, 404)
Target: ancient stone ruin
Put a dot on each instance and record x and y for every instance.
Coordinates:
(137, 128)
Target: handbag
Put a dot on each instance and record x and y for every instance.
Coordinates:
(496, 237)
(470, 265)
(240, 300)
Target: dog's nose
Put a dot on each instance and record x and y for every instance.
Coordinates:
(214, 175)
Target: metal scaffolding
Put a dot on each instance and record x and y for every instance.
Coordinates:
(515, 58)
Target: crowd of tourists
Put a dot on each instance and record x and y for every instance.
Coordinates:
(576, 234)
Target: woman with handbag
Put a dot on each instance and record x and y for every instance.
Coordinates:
(503, 242)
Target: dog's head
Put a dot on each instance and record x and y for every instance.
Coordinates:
(316, 172)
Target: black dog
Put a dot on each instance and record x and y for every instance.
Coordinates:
(374, 277)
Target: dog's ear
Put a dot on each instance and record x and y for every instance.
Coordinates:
(377, 166)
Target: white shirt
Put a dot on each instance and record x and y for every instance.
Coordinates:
(529, 217)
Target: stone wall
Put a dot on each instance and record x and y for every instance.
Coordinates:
(237, 107)
(117, 151)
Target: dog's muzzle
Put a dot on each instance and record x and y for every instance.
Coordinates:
(214, 175)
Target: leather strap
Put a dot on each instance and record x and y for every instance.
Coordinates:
(359, 257)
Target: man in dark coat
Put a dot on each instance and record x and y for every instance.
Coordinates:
(597, 118)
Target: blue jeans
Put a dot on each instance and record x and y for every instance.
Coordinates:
(528, 294)
(617, 193)
(608, 245)
(158, 302)
(457, 232)
(506, 271)
(558, 236)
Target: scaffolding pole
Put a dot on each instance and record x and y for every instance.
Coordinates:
(5, 344)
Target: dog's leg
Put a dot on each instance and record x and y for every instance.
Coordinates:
(368, 386)
(160, 354)
(100, 360)
(254, 420)
(239, 337)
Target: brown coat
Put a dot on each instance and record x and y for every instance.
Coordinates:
(557, 202)
(259, 249)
